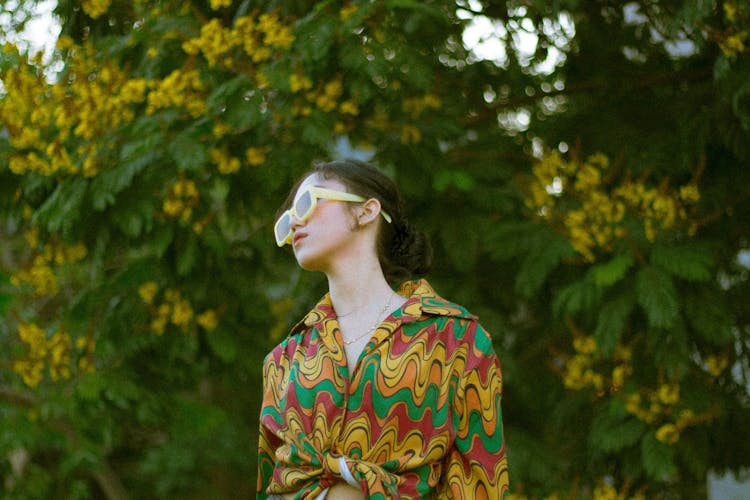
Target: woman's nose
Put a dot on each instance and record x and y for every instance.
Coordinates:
(295, 222)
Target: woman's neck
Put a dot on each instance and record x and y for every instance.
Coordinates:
(359, 289)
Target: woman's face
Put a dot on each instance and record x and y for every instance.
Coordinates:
(326, 235)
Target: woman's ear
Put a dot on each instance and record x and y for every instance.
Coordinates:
(368, 211)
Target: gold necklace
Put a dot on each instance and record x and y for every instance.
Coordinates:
(373, 327)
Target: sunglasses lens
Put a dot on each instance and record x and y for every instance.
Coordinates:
(283, 227)
(303, 205)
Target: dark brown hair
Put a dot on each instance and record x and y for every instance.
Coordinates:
(403, 251)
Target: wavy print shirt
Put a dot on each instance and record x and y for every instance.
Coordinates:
(419, 417)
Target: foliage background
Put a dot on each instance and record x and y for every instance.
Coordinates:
(589, 199)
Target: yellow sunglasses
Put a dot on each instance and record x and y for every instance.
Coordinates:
(303, 207)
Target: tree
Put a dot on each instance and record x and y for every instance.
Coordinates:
(587, 197)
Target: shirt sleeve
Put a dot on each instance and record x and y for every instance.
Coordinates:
(267, 441)
(267, 445)
(477, 466)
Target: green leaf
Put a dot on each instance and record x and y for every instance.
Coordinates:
(612, 433)
(540, 262)
(611, 272)
(707, 312)
(316, 129)
(578, 296)
(687, 261)
(134, 157)
(657, 296)
(5, 299)
(458, 178)
(658, 458)
(63, 205)
(671, 349)
(315, 35)
(613, 317)
(511, 239)
(223, 345)
(187, 256)
(217, 100)
(244, 110)
(188, 151)
(460, 245)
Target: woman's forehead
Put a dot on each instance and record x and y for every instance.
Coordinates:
(315, 179)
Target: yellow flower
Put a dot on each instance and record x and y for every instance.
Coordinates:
(349, 107)
(348, 11)
(585, 344)
(620, 373)
(172, 207)
(255, 156)
(669, 394)
(182, 314)
(605, 492)
(158, 325)
(730, 11)
(668, 433)
(689, 193)
(218, 4)
(433, 101)
(715, 365)
(633, 403)
(208, 320)
(410, 134)
(227, 164)
(686, 418)
(95, 8)
(733, 44)
(299, 82)
(147, 291)
(220, 129)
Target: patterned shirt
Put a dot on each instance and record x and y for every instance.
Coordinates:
(418, 417)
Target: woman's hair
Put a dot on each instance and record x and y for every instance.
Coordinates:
(403, 251)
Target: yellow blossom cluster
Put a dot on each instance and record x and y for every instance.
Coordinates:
(174, 309)
(220, 4)
(577, 197)
(256, 36)
(95, 8)
(415, 106)
(410, 134)
(180, 89)
(348, 11)
(255, 156)
(715, 364)
(53, 353)
(226, 163)
(605, 491)
(733, 39)
(327, 97)
(299, 82)
(40, 118)
(662, 407)
(580, 372)
(41, 274)
(182, 198)
(220, 129)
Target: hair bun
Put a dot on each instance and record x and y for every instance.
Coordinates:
(410, 254)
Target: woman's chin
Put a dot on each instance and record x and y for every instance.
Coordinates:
(308, 260)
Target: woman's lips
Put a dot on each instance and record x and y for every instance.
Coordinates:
(297, 238)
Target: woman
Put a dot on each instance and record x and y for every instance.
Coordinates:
(375, 393)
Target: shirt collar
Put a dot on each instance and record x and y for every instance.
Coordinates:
(422, 300)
